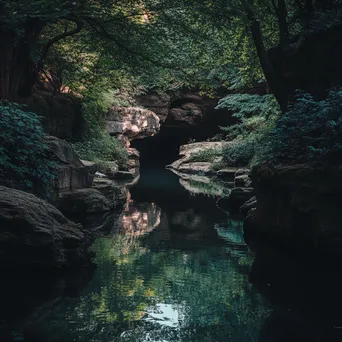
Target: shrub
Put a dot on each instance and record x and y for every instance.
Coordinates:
(240, 152)
(103, 147)
(307, 130)
(24, 162)
(256, 118)
(207, 155)
(246, 105)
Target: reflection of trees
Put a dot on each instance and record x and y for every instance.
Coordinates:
(207, 289)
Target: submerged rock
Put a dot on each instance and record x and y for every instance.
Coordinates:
(115, 193)
(35, 234)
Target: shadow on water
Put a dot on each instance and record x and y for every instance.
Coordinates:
(178, 270)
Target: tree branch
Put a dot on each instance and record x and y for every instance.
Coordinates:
(102, 30)
(65, 34)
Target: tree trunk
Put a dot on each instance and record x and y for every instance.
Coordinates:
(283, 27)
(18, 72)
(273, 79)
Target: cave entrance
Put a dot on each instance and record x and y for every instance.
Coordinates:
(163, 148)
(190, 118)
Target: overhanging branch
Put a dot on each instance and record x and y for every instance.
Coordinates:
(65, 34)
(102, 30)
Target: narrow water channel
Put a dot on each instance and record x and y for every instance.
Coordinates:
(177, 271)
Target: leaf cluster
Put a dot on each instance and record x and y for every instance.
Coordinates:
(308, 130)
(24, 161)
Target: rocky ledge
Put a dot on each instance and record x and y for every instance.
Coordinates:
(298, 206)
(129, 123)
(189, 161)
(232, 185)
(35, 234)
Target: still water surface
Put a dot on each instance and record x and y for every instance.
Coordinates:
(177, 271)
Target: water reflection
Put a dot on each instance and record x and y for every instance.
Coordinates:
(202, 185)
(178, 270)
(139, 218)
(140, 293)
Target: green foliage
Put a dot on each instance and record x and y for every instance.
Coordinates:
(24, 162)
(240, 152)
(256, 116)
(206, 155)
(246, 105)
(103, 147)
(308, 129)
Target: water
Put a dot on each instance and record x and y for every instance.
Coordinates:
(178, 271)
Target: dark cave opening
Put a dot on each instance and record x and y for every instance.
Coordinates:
(163, 148)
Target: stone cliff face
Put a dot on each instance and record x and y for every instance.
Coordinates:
(71, 172)
(183, 118)
(130, 123)
(298, 206)
(62, 114)
(185, 111)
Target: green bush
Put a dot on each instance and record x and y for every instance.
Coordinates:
(308, 129)
(24, 163)
(256, 117)
(102, 147)
(240, 152)
(246, 105)
(207, 155)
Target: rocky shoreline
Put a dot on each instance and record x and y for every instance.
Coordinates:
(296, 206)
(56, 233)
(232, 185)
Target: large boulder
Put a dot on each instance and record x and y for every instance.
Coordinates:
(129, 123)
(98, 208)
(35, 234)
(115, 193)
(84, 202)
(71, 172)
